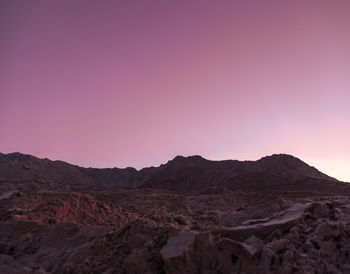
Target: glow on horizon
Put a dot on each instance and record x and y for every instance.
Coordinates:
(135, 83)
(336, 168)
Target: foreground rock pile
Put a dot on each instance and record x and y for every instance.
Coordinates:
(307, 238)
(163, 232)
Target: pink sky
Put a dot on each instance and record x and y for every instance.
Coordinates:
(134, 83)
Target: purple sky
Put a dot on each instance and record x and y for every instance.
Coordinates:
(134, 83)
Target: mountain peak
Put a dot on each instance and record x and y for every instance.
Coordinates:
(283, 159)
(280, 156)
(194, 159)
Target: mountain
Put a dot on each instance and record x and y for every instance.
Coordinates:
(193, 174)
(32, 173)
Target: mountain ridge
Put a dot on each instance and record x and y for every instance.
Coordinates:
(183, 174)
(197, 158)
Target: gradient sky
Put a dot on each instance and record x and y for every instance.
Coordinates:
(134, 83)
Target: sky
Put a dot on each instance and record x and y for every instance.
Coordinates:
(135, 83)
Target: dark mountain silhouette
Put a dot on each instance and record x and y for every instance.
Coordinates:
(34, 173)
(194, 173)
(183, 174)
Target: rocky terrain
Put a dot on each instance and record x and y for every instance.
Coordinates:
(190, 215)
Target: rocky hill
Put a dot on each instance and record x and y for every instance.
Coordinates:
(278, 172)
(30, 173)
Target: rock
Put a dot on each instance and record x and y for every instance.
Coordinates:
(276, 234)
(326, 230)
(266, 261)
(177, 245)
(254, 241)
(264, 227)
(319, 210)
(236, 248)
(11, 270)
(174, 253)
(278, 245)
